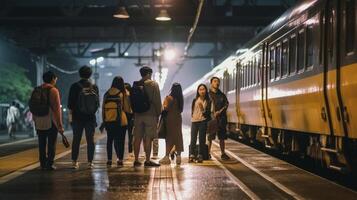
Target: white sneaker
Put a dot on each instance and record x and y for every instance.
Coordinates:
(75, 165)
(178, 160)
(165, 160)
(90, 165)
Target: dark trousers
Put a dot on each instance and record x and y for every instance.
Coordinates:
(78, 128)
(130, 131)
(47, 138)
(116, 134)
(198, 128)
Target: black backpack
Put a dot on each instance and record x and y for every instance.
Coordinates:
(39, 102)
(138, 98)
(88, 100)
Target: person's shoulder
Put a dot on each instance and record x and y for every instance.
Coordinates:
(151, 83)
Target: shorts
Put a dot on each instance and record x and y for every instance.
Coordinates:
(145, 126)
(221, 133)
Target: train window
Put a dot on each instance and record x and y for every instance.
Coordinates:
(284, 60)
(250, 73)
(301, 50)
(292, 54)
(244, 75)
(309, 46)
(278, 61)
(350, 26)
(272, 63)
(254, 65)
(259, 57)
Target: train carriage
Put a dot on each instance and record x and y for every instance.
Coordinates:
(295, 86)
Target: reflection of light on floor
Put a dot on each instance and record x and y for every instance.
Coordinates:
(186, 141)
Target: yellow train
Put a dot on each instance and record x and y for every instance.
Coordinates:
(294, 86)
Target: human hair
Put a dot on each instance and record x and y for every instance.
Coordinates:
(198, 94)
(48, 77)
(118, 83)
(145, 71)
(85, 72)
(215, 77)
(176, 93)
(127, 87)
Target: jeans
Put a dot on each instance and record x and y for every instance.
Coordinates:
(116, 134)
(47, 138)
(198, 128)
(78, 128)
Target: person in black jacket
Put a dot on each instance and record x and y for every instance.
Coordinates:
(220, 104)
(82, 121)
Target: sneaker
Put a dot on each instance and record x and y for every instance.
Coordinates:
(225, 157)
(165, 161)
(178, 160)
(90, 165)
(151, 164)
(120, 163)
(109, 163)
(51, 168)
(191, 159)
(137, 163)
(172, 155)
(199, 159)
(75, 165)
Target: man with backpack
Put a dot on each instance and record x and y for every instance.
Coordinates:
(83, 103)
(146, 103)
(45, 106)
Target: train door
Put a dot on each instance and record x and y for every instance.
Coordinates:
(332, 73)
(265, 110)
(348, 72)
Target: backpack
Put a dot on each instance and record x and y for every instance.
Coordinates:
(112, 106)
(88, 100)
(138, 98)
(39, 102)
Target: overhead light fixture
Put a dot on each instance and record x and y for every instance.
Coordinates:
(121, 13)
(163, 16)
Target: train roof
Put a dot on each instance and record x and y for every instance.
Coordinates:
(275, 26)
(279, 23)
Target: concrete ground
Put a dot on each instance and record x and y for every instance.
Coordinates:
(250, 174)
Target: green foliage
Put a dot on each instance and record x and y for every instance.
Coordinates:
(13, 83)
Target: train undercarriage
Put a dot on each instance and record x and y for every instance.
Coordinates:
(337, 153)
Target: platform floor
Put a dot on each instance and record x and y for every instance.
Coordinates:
(250, 174)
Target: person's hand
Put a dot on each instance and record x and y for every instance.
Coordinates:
(61, 131)
(216, 114)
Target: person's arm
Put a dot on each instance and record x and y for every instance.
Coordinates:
(55, 103)
(157, 99)
(226, 103)
(71, 98)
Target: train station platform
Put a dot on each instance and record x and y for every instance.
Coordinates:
(250, 174)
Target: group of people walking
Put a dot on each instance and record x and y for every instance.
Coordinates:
(135, 110)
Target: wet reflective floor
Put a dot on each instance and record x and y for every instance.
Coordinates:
(249, 174)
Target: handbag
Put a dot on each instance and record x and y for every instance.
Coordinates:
(212, 126)
(162, 129)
